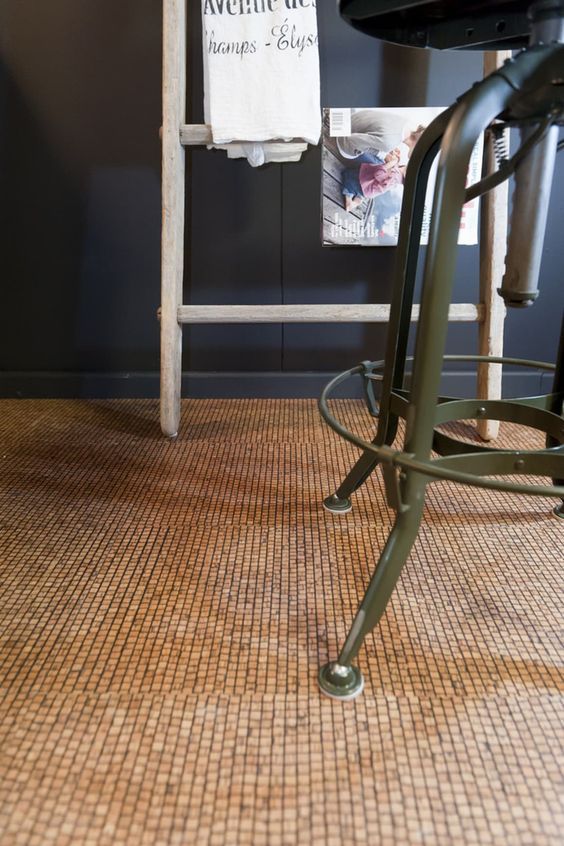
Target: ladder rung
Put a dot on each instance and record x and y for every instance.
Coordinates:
(193, 134)
(200, 134)
(369, 313)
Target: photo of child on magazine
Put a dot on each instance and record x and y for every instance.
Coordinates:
(365, 157)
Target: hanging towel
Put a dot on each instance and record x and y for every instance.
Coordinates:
(261, 76)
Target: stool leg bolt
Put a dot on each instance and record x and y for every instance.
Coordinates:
(339, 682)
(336, 505)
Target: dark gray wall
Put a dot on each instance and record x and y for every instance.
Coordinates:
(80, 214)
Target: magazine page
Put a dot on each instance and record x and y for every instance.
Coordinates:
(365, 155)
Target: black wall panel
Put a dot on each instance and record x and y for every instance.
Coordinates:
(80, 213)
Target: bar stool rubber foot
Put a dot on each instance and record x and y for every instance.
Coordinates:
(339, 682)
(336, 505)
(558, 511)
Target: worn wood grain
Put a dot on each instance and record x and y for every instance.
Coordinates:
(173, 197)
(312, 313)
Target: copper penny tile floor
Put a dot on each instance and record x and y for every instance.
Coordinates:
(166, 605)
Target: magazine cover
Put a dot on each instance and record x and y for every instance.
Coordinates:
(365, 155)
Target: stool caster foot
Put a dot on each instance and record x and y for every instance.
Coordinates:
(558, 511)
(336, 505)
(339, 682)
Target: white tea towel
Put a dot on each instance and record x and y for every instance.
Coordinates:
(258, 154)
(261, 75)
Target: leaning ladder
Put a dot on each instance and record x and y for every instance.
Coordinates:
(176, 135)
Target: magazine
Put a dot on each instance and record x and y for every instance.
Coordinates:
(365, 155)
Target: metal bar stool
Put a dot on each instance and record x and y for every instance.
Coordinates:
(528, 93)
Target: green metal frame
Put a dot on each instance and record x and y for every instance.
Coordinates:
(526, 88)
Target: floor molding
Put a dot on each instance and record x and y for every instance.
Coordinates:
(38, 385)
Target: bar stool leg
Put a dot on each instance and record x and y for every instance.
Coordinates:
(558, 389)
(340, 679)
(340, 502)
(402, 303)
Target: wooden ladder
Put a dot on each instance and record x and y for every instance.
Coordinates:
(176, 136)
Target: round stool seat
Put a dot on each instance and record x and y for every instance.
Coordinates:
(444, 24)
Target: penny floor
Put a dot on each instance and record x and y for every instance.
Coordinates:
(166, 605)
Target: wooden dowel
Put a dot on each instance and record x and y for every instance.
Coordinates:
(173, 194)
(200, 135)
(493, 247)
(311, 313)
